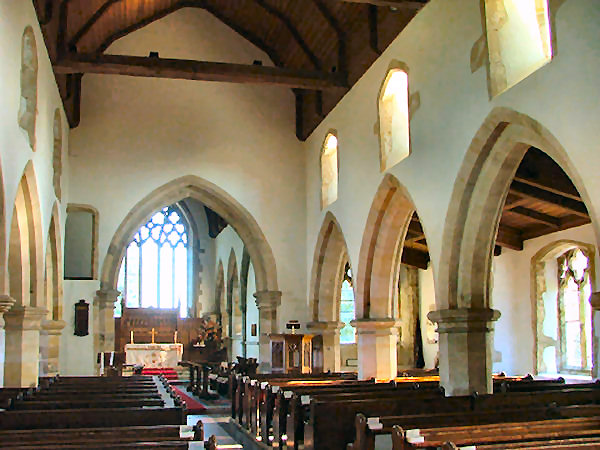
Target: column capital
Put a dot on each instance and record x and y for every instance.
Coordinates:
(595, 301)
(106, 298)
(24, 318)
(268, 299)
(325, 327)
(6, 302)
(53, 327)
(380, 326)
(463, 320)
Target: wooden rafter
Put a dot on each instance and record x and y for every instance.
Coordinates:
(341, 35)
(528, 191)
(537, 216)
(415, 258)
(90, 23)
(400, 4)
(195, 70)
(509, 237)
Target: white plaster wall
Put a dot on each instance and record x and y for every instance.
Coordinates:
(142, 133)
(252, 316)
(513, 337)
(436, 46)
(15, 152)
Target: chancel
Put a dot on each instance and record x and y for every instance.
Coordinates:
(360, 222)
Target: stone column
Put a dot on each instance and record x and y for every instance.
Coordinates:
(267, 303)
(377, 340)
(50, 346)
(595, 301)
(6, 302)
(104, 321)
(21, 366)
(466, 346)
(330, 331)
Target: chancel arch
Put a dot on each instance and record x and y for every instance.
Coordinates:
(25, 268)
(330, 262)
(484, 189)
(234, 214)
(381, 254)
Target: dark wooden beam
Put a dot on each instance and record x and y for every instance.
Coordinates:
(341, 35)
(548, 186)
(400, 4)
(195, 70)
(373, 31)
(415, 258)
(90, 23)
(546, 219)
(293, 31)
(509, 237)
(528, 191)
(299, 95)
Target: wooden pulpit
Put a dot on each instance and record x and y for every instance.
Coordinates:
(291, 353)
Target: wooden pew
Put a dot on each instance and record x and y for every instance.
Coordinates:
(536, 434)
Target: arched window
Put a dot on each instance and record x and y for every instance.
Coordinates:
(394, 135)
(329, 170)
(575, 312)
(154, 271)
(347, 309)
(29, 73)
(519, 40)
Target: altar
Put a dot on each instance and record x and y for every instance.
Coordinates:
(154, 355)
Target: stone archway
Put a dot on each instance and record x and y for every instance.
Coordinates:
(233, 307)
(25, 270)
(244, 272)
(377, 279)
(190, 186)
(464, 316)
(329, 261)
(52, 327)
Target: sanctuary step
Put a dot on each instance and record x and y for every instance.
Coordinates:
(167, 372)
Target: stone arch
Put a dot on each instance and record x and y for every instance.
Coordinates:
(25, 261)
(3, 261)
(381, 249)
(234, 310)
(53, 268)
(29, 75)
(464, 277)
(331, 255)
(213, 197)
(538, 287)
(57, 154)
(244, 272)
(220, 306)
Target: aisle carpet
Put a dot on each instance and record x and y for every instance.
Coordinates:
(168, 373)
(193, 406)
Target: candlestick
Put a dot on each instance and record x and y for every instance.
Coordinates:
(153, 335)
(131, 334)
(175, 337)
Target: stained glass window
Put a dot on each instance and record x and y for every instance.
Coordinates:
(575, 312)
(155, 266)
(347, 310)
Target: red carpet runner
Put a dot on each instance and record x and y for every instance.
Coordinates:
(168, 373)
(193, 406)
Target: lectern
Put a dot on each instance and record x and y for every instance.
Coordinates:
(291, 353)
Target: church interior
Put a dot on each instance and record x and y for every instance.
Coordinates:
(339, 200)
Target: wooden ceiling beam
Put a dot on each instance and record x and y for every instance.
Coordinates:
(415, 258)
(548, 186)
(90, 23)
(412, 5)
(509, 237)
(195, 70)
(341, 35)
(546, 219)
(535, 193)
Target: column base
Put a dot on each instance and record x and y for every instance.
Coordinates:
(466, 343)
(377, 340)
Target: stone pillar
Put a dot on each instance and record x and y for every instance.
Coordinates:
(595, 301)
(377, 340)
(267, 303)
(50, 346)
(21, 366)
(6, 302)
(330, 331)
(466, 347)
(104, 321)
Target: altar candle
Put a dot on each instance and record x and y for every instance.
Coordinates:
(153, 335)
(175, 337)
(131, 333)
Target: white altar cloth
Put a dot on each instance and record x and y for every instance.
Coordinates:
(154, 355)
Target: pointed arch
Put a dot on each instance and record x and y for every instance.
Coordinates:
(25, 261)
(3, 244)
(233, 296)
(53, 268)
(220, 306)
(213, 197)
(473, 217)
(330, 258)
(381, 249)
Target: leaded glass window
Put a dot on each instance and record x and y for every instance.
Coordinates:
(575, 312)
(347, 310)
(154, 270)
